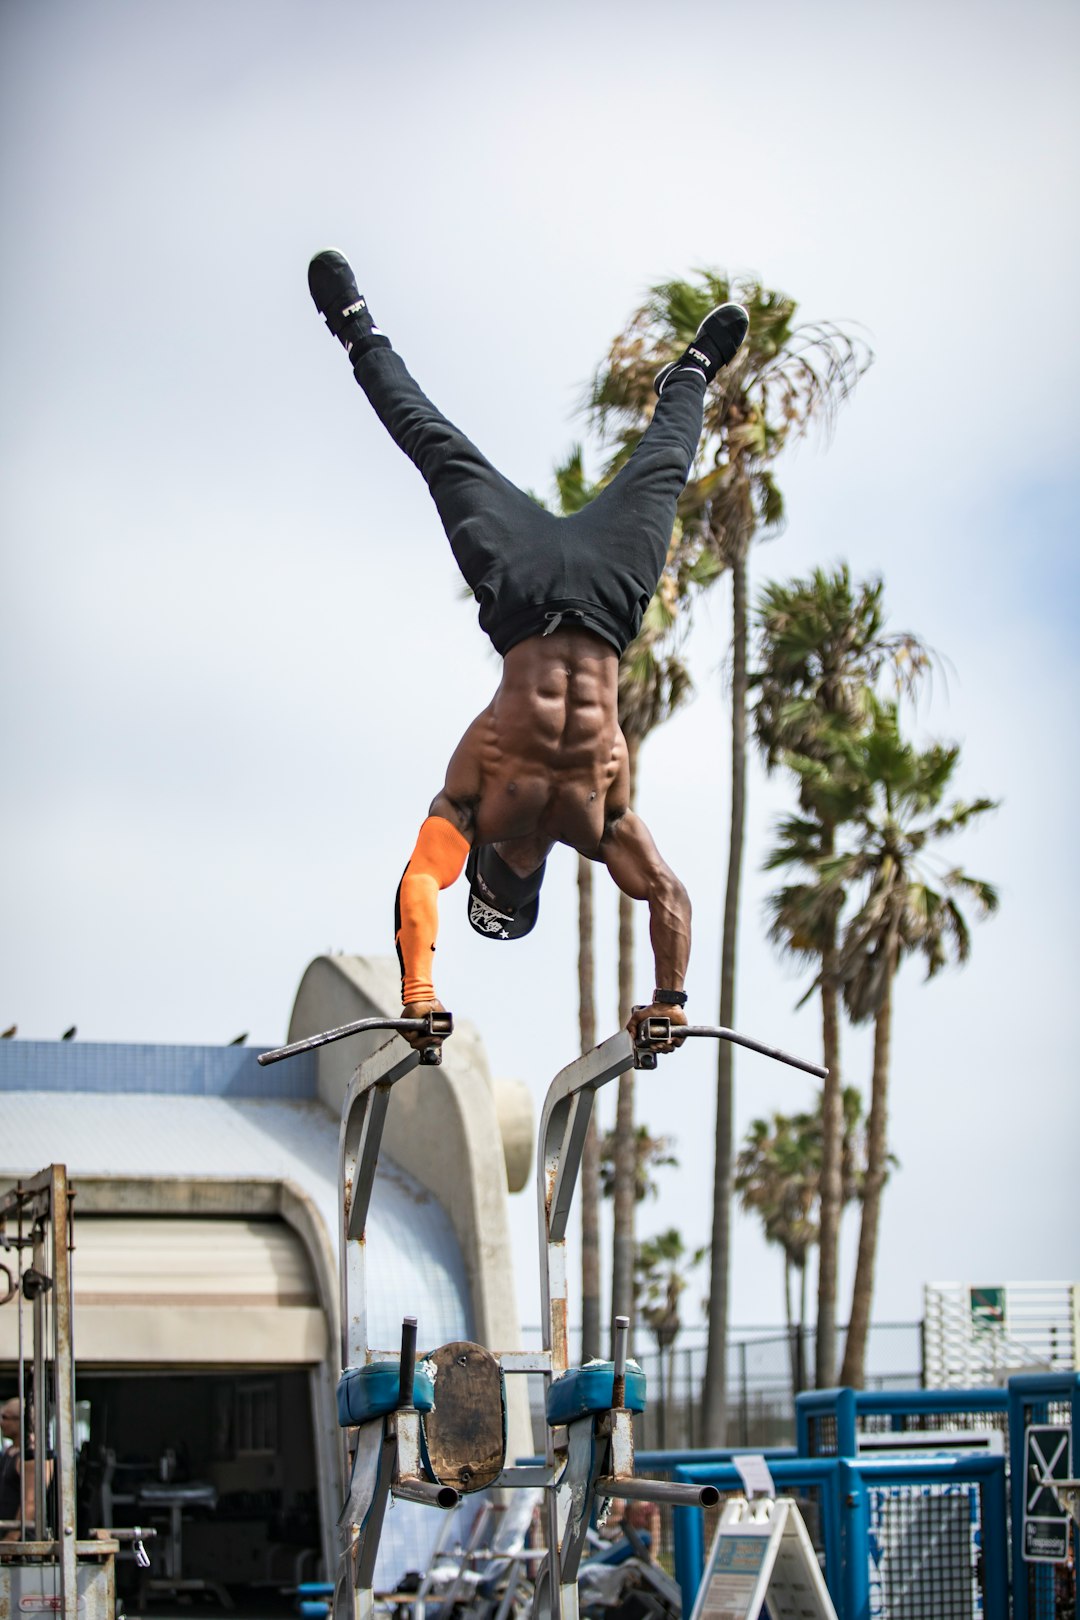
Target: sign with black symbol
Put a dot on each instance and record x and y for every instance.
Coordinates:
(1046, 1522)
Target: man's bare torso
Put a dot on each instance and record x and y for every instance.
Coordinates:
(545, 762)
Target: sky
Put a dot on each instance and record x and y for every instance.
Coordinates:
(235, 654)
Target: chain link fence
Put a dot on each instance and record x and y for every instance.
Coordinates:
(765, 1368)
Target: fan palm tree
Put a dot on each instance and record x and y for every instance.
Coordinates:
(574, 492)
(821, 648)
(651, 1153)
(590, 1156)
(778, 1176)
(899, 913)
(653, 683)
(786, 379)
(662, 1273)
(647, 1154)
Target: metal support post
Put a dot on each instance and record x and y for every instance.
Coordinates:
(40, 1207)
(564, 1122)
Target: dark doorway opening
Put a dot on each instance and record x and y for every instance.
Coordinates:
(222, 1466)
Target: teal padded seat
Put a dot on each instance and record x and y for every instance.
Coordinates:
(364, 1393)
(587, 1389)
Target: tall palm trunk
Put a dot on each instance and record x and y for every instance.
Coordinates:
(714, 1407)
(852, 1371)
(622, 1270)
(832, 1139)
(590, 1158)
(789, 1321)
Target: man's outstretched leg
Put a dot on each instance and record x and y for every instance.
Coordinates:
(716, 343)
(481, 511)
(638, 507)
(333, 287)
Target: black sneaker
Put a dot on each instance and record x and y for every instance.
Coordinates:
(717, 341)
(333, 287)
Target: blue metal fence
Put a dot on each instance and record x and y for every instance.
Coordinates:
(924, 1537)
(829, 1422)
(802, 1477)
(1038, 1398)
(899, 1536)
(888, 1529)
(908, 1552)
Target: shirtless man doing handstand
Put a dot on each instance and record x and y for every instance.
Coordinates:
(561, 598)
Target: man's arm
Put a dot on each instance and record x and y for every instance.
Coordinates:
(436, 862)
(635, 863)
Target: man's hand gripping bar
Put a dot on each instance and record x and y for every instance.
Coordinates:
(653, 1032)
(436, 1024)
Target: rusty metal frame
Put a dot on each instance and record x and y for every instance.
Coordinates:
(564, 1123)
(593, 1456)
(43, 1200)
(363, 1116)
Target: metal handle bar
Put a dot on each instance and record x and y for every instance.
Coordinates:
(657, 1031)
(433, 1023)
(408, 1362)
(635, 1489)
(428, 1492)
(618, 1359)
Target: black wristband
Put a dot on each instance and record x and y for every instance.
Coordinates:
(669, 998)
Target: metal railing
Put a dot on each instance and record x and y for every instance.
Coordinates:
(760, 1386)
(894, 1536)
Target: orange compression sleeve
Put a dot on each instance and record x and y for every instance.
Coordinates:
(435, 863)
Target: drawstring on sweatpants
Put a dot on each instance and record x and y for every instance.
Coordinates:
(556, 618)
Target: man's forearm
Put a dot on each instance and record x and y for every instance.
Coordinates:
(669, 931)
(640, 871)
(435, 864)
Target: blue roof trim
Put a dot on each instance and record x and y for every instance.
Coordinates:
(174, 1071)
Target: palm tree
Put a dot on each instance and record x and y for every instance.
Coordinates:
(821, 648)
(574, 492)
(804, 924)
(778, 1176)
(899, 913)
(590, 1156)
(651, 1153)
(653, 683)
(662, 1267)
(786, 379)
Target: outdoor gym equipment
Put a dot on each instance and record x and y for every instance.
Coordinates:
(399, 1440)
(45, 1568)
(437, 1025)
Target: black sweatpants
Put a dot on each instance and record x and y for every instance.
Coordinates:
(528, 568)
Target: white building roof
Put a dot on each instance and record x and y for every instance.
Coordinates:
(415, 1264)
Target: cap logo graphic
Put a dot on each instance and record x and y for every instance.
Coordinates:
(487, 919)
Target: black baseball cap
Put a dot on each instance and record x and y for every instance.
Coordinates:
(501, 904)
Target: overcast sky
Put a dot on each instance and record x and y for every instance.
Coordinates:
(235, 657)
